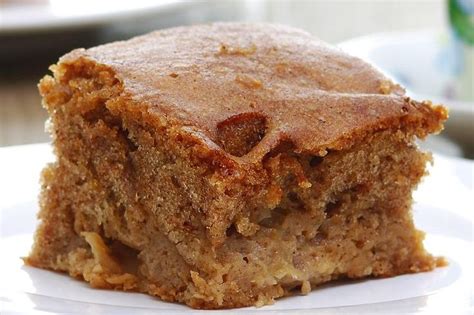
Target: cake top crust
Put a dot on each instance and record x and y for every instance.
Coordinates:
(246, 88)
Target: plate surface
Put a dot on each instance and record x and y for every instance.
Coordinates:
(443, 209)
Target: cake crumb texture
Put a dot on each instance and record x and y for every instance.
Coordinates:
(227, 165)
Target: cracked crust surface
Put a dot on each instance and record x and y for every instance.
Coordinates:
(312, 94)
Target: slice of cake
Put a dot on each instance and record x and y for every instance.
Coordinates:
(227, 165)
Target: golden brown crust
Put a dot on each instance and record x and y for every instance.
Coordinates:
(311, 94)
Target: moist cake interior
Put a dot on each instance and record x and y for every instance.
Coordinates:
(125, 207)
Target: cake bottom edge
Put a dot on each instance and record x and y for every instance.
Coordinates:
(104, 266)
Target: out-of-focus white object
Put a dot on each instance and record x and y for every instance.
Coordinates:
(34, 15)
(418, 61)
(443, 209)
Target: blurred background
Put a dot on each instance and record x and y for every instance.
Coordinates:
(427, 46)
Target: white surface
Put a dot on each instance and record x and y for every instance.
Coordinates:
(443, 208)
(420, 62)
(27, 16)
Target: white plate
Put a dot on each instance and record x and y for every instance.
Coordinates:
(443, 209)
(33, 15)
(419, 61)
